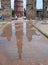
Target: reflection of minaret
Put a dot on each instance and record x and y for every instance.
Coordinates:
(18, 7)
(29, 31)
(19, 36)
(7, 32)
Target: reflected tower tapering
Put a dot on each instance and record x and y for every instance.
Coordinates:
(19, 36)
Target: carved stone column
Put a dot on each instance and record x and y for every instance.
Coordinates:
(44, 8)
(18, 8)
(6, 9)
(31, 9)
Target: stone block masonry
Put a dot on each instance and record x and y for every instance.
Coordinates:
(6, 9)
(31, 9)
(18, 8)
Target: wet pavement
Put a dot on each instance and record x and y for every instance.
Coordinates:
(42, 26)
(22, 44)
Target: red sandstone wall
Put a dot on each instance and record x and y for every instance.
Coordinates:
(18, 7)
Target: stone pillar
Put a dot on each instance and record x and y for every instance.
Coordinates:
(6, 9)
(31, 9)
(18, 7)
(0, 9)
(44, 8)
(47, 8)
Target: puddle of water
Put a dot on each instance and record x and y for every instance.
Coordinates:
(23, 41)
(0, 33)
(35, 37)
(24, 28)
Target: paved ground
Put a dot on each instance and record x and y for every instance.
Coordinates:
(42, 26)
(22, 44)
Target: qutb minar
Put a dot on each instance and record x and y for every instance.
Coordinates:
(18, 7)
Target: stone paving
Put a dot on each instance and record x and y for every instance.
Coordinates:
(42, 26)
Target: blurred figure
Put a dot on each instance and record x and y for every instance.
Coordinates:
(15, 16)
(19, 15)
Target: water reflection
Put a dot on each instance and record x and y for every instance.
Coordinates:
(7, 32)
(30, 31)
(19, 36)
(19, 45)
